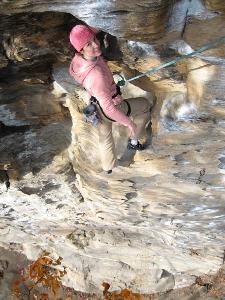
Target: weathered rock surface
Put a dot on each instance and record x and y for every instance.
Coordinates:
(154, 225)
(148, 17)
(215, 5)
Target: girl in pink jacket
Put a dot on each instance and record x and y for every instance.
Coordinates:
(90, 70)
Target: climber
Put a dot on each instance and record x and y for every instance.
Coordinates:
(91, 71)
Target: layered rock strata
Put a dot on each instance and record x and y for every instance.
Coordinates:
(157, 222)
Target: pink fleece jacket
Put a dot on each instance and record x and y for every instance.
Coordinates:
(97, 79)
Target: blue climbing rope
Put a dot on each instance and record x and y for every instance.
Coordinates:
(153, 70)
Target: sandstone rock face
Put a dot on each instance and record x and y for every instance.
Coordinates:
(216, 5)
(148, 17)
(157, 222)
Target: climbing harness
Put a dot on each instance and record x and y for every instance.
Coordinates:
(95, 102)
(154, 70)
(91, 111)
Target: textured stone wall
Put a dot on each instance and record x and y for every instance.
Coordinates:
(155, 224)
(121, 18)
(216, 5)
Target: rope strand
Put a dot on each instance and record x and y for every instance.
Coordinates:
(153, 70)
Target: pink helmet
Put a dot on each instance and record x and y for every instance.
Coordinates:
(80, 35)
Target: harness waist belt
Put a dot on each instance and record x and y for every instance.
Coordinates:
(118, 92)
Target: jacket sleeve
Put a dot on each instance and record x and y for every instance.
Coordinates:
(100, 89)
(117, 100)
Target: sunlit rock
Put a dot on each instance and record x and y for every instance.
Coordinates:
(215, 5)
(157, 222)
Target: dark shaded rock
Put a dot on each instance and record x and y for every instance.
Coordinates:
(131, 195)
(120, 18)
(4, 178)
(6, 130)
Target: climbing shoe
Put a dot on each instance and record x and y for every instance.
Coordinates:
(109, 172)
(138, 147)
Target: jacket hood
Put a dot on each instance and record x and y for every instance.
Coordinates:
(79, 67)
